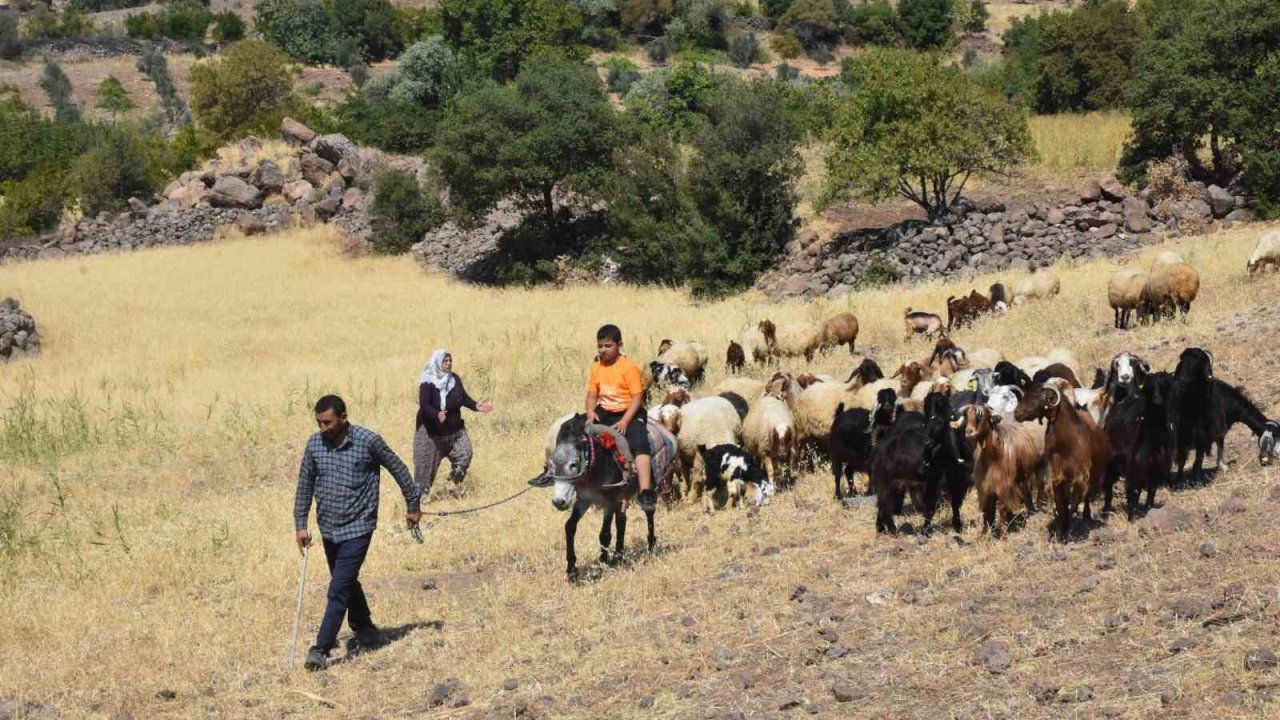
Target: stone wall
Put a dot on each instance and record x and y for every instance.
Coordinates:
(18, 334)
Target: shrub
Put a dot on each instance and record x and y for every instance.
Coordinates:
(248, 88)
(34, 204)
(786, 73)
(227, 27)
(496, 36)
(427, 75)
(359, 74)
(926, 24)
(372, 26)
(419, 23)
(303, 29)
(620, 74)
(118, 167)
(875, 23)
(975, 16)
(787, 46)
(93, 6)
(671, 100)
(743, 50)
(401, 213)
(184, 20)
(11, 45)
(43, 22)
(388, 125)
(658, 50)
(646, 17)
(152, 63)
(812, 22)
(113, 97)
(57, 86)
(707, 22)
(775, 9)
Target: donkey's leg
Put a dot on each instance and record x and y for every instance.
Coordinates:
(606, 535)
(653, 539)
(620, 521)
(571, 530)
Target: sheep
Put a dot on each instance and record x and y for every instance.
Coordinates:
(691, 357)
(755, 345)
(1167, 257)
(739, 403)
(865, 373)
(983, 357)
(849, 445)
(1124, 294)
(1266, 253)
(840, 330)
(807, 379)
(816, 404)
(734, 358)
(1037, 286)
(921, 323)
(706, 421)
(866, 396)
(748, 388)
(729, 469)
(1033, 364)
(1169, 289)
(677, 396)
(1007, 460)
(797, 339)
(769, 432)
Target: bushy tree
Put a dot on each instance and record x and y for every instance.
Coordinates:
(647, 17)
(401, 212)
(1194, 78)
(1023, 45)
(620, 74)
(399, 111)
(812, 22)
(373, 22)
(113, 97)
(553, 128)
(976, 16)
(873, 23)
(427, 74)
(43, 22)
(57, 86)
(227, 27)
(497, 36)
(117, 167)
(183, 20)
(1085, 57)
(153, 64)
(912, 128)
(304, 29)
(11, 45)
(706, 22)
(672, 101)
(744, 49)
(249, 87)
(926, 24)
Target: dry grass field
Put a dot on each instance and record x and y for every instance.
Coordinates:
(148, 462)
(1075, 145)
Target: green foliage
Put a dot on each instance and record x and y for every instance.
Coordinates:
(113, 97)
(706, 22)
(879, 272)
(812, 22)
(671, 100)
(775, 9)
(912, 128)
(1085, 57)
(787, 46)
(1199, 76)
(227, 27)
(496, 36)
(552, 129)
(744, 50)
(647, 17)
(399, 127)
(183, 20)
(11, 45)
(304, 29)
(118, 167)
(926, 24)
(45, 23)
(427, 75)
(1023, 46)
(373, 22)
(875, 23)
(57, 86)
(620, 74)
(93, 6)
(152, 64)
(658, 50)
(247, 88)
(401, 212)
(33, 205)
(975, 16)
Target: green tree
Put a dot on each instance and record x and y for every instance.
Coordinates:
(1194, 77)
(153, 64)
(401, 212)
(1023, 45)
(497, 36)
(427, 74)
(812, 22)
(304, 29)
(11, 46)
(57, 86)
(910, 127)
(873, 23)
(227, 27)
(976, 17)
(927, 24)
(646, 16)
(552, 129)
(113, 97)
(374, 22)
(249, 87)
(1085, 57)
(118, 167)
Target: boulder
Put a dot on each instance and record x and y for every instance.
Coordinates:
(1111, 188)
(1091, 191)
(250, 224)
(137, 207)
(334, 185)
(348, 168)
(1239, 215)
(1105, 230)
(299, 190)
(314, 168)
(296, 132)
(268, 177)
(327, 208)
(334, 148)
(232, 192)
(1135, 216)
(355, 198)
(1055, 216)
(1221, 202)
(187, 194)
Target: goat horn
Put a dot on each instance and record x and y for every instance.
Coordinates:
(1057, 396)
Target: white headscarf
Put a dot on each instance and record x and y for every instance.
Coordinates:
(434, 373)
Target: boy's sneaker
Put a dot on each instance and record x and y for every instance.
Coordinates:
(648, 500)
(317, 659)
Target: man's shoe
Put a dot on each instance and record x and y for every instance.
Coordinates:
(648, 500)
(317, 659)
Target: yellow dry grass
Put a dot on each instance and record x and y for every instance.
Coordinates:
(146, 493)
(1071, 145)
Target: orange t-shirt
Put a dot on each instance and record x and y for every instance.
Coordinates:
(615, 385)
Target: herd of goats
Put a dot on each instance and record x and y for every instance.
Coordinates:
(1024, 435)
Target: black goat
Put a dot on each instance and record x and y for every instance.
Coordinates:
(949, 452)
(1006, 373)
(884, 415)
(868, 371)
(898, 466)
(1141, 446)
(850, 446)
(1195, 410)
(1237, 408)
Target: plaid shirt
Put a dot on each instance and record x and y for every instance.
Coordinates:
(344, 482)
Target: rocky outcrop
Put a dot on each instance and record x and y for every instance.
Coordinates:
(18, 334)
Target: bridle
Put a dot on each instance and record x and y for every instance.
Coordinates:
(587, 458)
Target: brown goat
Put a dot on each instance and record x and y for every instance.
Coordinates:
(1007, 463)
(677, 397)
(963, 311)
(770, 333)
(1075, 447)
(807, 379)
(734, 358)
(940, 348)
(1056, 370)
(922, 323)
(912, 374)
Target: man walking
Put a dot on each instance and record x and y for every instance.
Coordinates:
(340, 469)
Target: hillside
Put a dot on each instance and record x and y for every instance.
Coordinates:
(150, 457)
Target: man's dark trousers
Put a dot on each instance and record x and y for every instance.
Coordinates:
(346, 597)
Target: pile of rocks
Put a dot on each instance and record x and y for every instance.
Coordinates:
(997, 236)
(18, 335)
(319, 178)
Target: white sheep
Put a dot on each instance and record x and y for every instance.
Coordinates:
(797, 339)
(754, 345)
(691, 357)
(748, 389)
(815, 407)
(708, 421)
(769, 432)
(1169, 289)
(1036, 286)
(984, 358)
(1265, 253)
(1124, 294)
(1167, 257)
(866, 395)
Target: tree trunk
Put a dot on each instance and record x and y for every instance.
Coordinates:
(548, 205)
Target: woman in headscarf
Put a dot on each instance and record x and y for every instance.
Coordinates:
(441, 432)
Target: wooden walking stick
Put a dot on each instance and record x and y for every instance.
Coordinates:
(297, 618)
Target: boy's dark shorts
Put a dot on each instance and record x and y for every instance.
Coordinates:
(637, 434)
